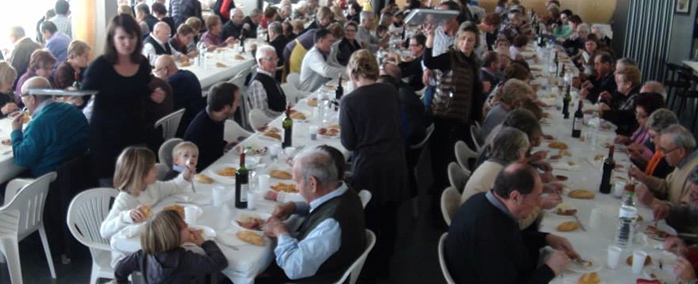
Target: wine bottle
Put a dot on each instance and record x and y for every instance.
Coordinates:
(76, 83)
(608, 165)
(241, 184)
(562, 73)
(339, 92)
(287, 124)
(566, 103)
(578, 121)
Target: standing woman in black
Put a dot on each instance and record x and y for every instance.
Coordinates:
(457, 102)
(370, 124)
(121, 76)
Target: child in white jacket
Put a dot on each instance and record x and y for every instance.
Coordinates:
(136, 179)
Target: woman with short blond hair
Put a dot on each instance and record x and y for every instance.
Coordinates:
(372, 130)
(72, 69)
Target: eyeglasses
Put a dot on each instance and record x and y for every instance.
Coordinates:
(666, 152)
(415, 45)
(271, 59)
(158, 70)
(640, 115)
(350, 30)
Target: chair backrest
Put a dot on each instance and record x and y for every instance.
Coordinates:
(233, 131)
(24, 213)
(86, 213)
(442, 260)
(292, 94)
(354, 270)
(457, 176)
(430, 131)
(294, 79)
(239, 80)
(165, 151)
(258, 119)
(365, 197)
(450, 201)
(463, 154)
(170, 123)
(475, 135)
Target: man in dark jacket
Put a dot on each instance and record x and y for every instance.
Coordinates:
(604, 81)
(333, 226)
(143, 15)
(278, 41)
(485, 244)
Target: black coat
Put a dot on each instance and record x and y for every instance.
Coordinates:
(345, 49)
(119, 114)
(370, 125)
(413, 71)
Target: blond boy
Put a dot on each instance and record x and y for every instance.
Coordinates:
(185, 153)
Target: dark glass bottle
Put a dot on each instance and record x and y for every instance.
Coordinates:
(608, 165)
(566, 103)
(287, 125)
(578, 121)
(556, 64)
(241, 184)
(339, 92)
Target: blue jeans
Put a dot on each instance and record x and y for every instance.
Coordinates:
(428, 97)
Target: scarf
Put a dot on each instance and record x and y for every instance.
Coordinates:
(654, 161)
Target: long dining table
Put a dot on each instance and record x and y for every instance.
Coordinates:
(246, 261)
(581, 164)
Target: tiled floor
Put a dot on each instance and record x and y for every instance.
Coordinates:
(415, 261)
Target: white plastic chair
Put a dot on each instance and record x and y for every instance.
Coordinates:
(239, 81)
(165, 151)
(354, 270)
(170, 124)
(475, 135)
(442, 260)
(457, 176)
(294, 79)
(463, 154)
(19, 218)
(365, 197)
(258, 119)
(85, 214)
(450, 201)
(233, 131)
(162, 170)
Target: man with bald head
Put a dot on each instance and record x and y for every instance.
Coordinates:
(186, 89)
(485, 244)
(156, 44)
(56, 133)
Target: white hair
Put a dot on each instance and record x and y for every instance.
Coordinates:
(263, 52)
(319, 164)
(365, 14)
(583, 27)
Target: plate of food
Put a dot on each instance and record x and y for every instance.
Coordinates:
(581, 194)
(206, 232)
(656, 230)
(331, 131)
(272, 133)
(568, 226)
(250, 237)
(252, 150)
(220, 65)
(564, 209)
(558, 145)
(299, 115)
(267, 127)
(313, 102)
(280, 174)
(186, 63)
(224, 174)
(587, 278)
(284, 187)
(252, 221)
(585, 264)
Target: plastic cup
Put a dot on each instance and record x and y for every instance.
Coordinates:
(619, 189)
(251, 200)
(263, 182)
(218, 193)
(638, 261)
(289, 152)
(613, 256)
(313, 132)
(191, 214)
(274, 151)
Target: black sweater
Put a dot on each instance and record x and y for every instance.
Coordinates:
(176, 266)
(207, 134)
(485, 245)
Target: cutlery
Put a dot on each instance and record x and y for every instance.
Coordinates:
(581, 226)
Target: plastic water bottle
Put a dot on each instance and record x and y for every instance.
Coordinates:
(202, 54)
(626, 221)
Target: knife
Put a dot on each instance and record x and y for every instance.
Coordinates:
(580, 223)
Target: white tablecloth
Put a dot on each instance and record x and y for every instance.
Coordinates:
(8, 169)
(247, 261)
(586, 174)
(209, 74)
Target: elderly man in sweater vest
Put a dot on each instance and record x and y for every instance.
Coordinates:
(265, 91)
(157, 44)
(332, 234)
